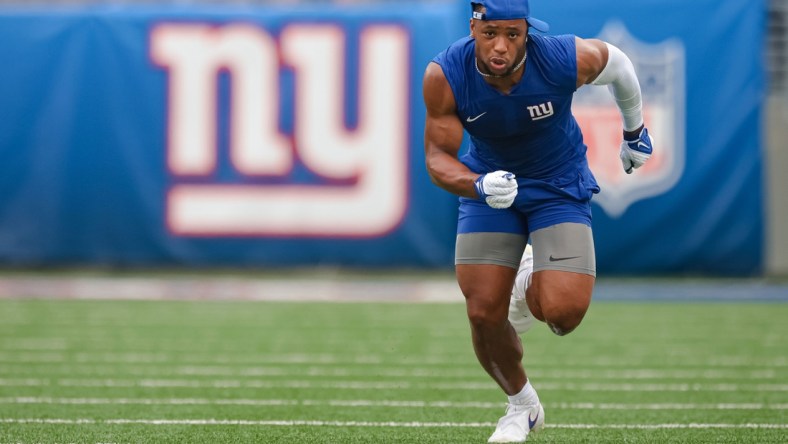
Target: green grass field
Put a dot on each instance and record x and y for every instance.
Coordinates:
(216, 372)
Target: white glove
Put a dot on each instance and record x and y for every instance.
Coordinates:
(634, 153)
(498, 188)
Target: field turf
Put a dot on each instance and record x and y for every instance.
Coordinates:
(272, 372)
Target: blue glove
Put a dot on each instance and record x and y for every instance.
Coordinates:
(634, 153)
(498, 188)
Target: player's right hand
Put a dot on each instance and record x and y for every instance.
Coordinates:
(498, 188)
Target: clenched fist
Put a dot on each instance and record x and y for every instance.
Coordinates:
(498, 188)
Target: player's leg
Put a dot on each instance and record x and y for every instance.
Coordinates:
(490, 244)
(485, 272)
(564, 275)
(487, 288)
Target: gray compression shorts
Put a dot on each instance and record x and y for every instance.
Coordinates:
(566, 246)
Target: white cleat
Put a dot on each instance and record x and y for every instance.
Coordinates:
(519, 314)
(518, 423)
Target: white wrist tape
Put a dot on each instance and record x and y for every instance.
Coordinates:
(619, 75)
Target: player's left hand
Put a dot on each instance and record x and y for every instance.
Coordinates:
(635, 151)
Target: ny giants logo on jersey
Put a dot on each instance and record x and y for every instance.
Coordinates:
(541, 111)
(660, 69)
(358, 177)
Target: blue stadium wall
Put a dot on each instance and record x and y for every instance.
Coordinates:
(270, 137)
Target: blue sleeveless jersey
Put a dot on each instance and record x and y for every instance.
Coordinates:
(530, 131)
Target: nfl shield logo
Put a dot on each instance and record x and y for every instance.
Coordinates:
(660, 70)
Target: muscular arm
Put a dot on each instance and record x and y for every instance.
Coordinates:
(591, 59)
(443, 136)
(603, 64)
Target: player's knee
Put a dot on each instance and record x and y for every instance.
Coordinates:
(485, 317)
(564, 324)
(562, 329)
(563, 319)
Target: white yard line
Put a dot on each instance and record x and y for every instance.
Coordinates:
(383, 385)
(286, 423)
(375, 403)
(33, 344)
(183, 357)
(389, 371)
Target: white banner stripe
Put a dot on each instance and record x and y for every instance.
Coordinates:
(291, 423)
(384, 403)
